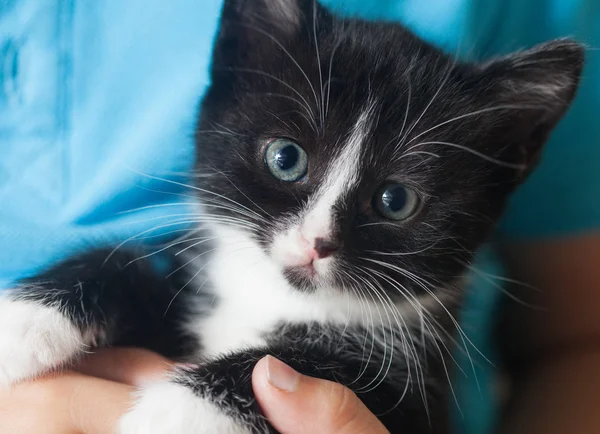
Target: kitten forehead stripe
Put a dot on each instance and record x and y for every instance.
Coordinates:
(342, 175)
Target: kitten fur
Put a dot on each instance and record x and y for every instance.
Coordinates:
(310, 271)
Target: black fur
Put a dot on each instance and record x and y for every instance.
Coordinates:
(329, 353)
(462, 135)
(122, 300)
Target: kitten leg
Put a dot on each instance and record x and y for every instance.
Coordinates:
(35, 338)
(169, 407)
(49, 320)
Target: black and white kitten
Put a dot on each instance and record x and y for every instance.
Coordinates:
(355, 172)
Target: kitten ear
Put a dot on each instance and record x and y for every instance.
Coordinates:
(251, 30)
(544, 81)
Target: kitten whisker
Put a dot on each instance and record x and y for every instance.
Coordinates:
(202, 190)
(318, 54)
(244, 194)
(474, 152)
(288, 54)
(133, 237)
(471, 114)
(169, 246)
(410, 154)
(415, 252)
(377, 380)
(196, 274)
(229, 130)
(224, 133)
(490, 279)
(461, 333)
(159, 205)
(433, 98)
(197, 219)
(279, 95)
(328, 83)
(371, 323)
(425, 322)
(410, 349)
(408, 100)
(305, 104)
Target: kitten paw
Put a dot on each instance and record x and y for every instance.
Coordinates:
(167, 407)
(34, 339)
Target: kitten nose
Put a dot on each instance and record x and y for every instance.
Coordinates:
(325, 248)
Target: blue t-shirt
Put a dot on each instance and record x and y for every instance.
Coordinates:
(98, 102)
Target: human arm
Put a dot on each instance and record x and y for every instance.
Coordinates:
(554, 353)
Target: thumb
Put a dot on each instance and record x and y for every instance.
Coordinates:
(297, 404)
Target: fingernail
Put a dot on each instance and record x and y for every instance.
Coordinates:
(281, 376)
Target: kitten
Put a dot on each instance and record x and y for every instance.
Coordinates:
(356, 171)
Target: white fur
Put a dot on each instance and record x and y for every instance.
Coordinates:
(291, 249)
(341, 177)
(34, 339)
(169, 408)
(253, 297)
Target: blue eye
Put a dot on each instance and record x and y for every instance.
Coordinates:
(286, 160)
(396, 201)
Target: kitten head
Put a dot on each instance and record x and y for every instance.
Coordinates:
(357, 155)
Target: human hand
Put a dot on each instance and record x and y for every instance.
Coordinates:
(89, 401)
(296, 404)
(92, 399)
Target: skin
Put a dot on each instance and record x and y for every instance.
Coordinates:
(559, 347)
(557, 393)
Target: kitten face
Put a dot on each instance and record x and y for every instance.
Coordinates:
(358, 156)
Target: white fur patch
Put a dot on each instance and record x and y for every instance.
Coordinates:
(169, 408)
(341, 177)
(34, 339)
(291, 249)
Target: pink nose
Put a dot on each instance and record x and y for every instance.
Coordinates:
(319, 249)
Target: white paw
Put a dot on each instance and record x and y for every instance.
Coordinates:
(169, 408)
(34, 339)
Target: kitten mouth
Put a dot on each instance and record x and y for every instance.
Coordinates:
(302, 276)
(307, 270)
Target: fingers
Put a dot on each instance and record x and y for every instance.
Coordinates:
(68, 403)
(89, 401)
(132, 366)
(297, 404)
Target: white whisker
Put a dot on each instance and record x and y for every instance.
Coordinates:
(474, 152)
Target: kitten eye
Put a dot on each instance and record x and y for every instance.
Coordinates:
(286, 160)
(396, 201)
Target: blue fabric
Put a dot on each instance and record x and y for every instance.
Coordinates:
(90, 94)
(98, 100)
